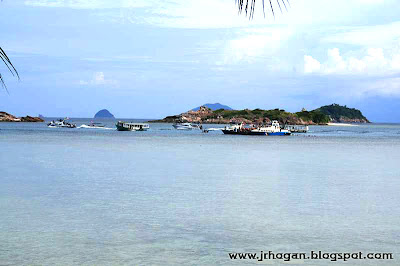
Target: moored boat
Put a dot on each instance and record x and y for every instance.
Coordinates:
(129, 126)
(297, 128)
(272, 130)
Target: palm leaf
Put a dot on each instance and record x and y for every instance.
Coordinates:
(248, 6)
(9, 65)
(3, 84)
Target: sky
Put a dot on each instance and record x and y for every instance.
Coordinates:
(153, 58)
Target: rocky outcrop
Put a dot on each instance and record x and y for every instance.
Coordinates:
(196, 116)
(31, 119)
(344, 119)
(6, 117)
(104, 114)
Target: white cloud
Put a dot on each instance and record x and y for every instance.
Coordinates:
(98, 79)
(222, 13)
(387, 87)
(374, 2)
(206, 13)
(374, 63)
(254, 44)
(379, 35)
(91, 4)
(311, 65)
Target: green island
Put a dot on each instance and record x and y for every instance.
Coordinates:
(333, 113)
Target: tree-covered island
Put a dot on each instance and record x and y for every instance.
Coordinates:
(330, 113)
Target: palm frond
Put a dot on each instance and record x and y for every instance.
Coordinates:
(9, 65)
(3, 84)
(248, 6)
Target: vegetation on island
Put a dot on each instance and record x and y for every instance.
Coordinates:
(265, 116)
(256, 114)
(315, 116)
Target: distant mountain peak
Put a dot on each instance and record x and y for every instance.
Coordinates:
(104, 113)
(214, 106)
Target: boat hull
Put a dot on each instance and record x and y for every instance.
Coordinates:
(247, 133)
(279, 134)
(255, 133)
(128, 126)
(61, 126)
(121, 128)
(273, 130)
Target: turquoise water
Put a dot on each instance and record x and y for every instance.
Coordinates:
(167, 197)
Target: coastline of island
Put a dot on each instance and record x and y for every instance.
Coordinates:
(325, 115)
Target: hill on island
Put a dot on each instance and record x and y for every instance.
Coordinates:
(104, 114)
(340, 113)
(213, 106)
(318, 116)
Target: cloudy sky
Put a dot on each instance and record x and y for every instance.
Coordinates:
(152, 58)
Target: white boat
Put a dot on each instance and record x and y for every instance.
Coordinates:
(93, 125)
(186, 126)
(61, 123)
(297, 128)
(272, 130)
(128, 126)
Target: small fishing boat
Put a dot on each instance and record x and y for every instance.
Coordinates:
(186, 126)
(61, 123)
(129, 126)
(272, 130)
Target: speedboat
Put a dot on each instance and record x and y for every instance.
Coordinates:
(186, 126)
(272, 130)
(93, 125)
(61, 123)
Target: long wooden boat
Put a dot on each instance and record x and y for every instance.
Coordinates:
(129, 126)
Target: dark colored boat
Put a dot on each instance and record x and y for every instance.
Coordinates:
(125, 126)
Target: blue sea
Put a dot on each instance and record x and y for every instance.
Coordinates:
(168, 197)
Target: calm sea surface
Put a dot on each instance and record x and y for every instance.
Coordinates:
(168, 197)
